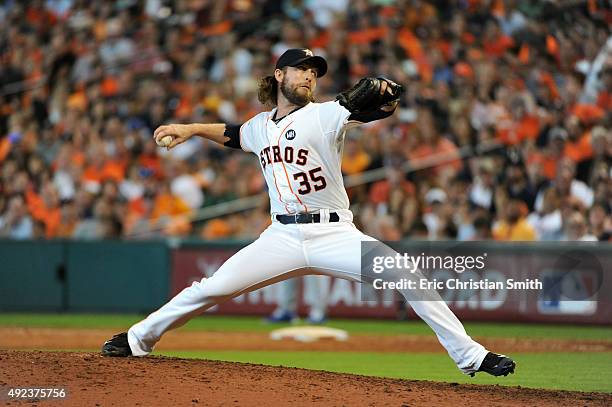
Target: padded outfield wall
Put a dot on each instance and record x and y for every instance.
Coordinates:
(83, 276)
(126, 276)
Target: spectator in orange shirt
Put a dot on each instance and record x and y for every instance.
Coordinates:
(100, 169)
(168, 205)
(554, 151)
(578, 146)
(430, 145)
(170, 213)
(216, 229)
(94, 162)
(524, 126)
(5, 148)
(380, 191)
(150, 160)
(395, 196)
(138, 220)
(45, 207)
(355, 159)
(69, 219)
(514, 225)
(495, 42)
(601, 141)
(568, 186)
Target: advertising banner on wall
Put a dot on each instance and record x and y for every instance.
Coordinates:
(539, 283)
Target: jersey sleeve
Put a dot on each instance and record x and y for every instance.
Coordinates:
(334, 119)
(248, 133)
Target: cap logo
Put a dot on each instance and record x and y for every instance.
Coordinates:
(308, 52)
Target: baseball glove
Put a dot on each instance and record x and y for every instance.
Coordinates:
(365, 96)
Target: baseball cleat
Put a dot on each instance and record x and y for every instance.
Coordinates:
(316, 321)
(117, 346)
(285, 316)
(497, 365)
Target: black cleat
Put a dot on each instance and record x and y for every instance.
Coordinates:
(117, 346)
(497, 365)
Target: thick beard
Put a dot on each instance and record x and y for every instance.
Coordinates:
(293, 96)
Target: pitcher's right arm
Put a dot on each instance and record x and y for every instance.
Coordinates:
(221, 133)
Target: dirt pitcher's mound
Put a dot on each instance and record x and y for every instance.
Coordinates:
(91, 380)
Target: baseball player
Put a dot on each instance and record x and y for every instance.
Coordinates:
(299, 147)
(315, 288)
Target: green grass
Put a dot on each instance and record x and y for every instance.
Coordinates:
(564, 371)
(255, 324)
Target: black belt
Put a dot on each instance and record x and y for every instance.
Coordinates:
(305, 218)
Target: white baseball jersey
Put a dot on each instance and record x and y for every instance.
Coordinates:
(300, 157)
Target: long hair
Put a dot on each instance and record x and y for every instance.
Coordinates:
(267, 90)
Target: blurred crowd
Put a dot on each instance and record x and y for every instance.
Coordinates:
(505, 131)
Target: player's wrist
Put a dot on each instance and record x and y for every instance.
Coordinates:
(190, 129)
(194, 129)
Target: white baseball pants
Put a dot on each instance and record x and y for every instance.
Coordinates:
(285, 251)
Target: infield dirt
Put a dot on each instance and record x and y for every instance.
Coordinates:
(93, 380)
(54, 338)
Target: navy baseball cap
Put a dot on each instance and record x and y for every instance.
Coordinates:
(295, 56)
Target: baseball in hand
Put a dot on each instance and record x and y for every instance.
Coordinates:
(165, 141)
